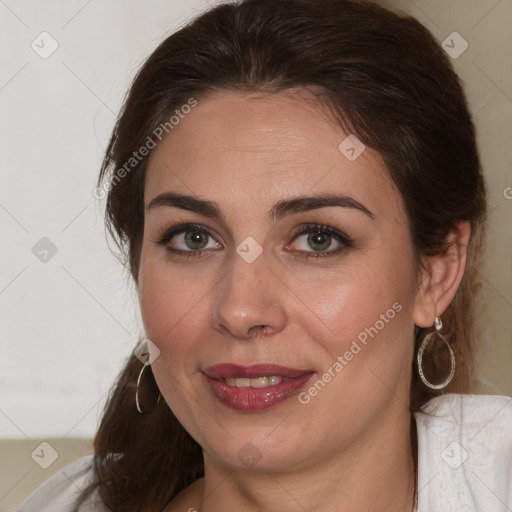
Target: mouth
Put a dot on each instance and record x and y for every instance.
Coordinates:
(255, 387)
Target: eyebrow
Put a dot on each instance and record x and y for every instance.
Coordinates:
(306, 203)
(278, 211)
(186, 202)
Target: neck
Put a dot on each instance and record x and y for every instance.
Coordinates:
(376, 474)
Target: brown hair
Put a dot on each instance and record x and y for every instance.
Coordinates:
(386, 80)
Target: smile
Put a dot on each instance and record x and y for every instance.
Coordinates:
(258, 382)
(255, 387)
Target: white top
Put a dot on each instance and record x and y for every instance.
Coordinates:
(464, 461)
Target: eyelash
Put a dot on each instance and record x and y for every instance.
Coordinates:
(345, 241)
(167, 234)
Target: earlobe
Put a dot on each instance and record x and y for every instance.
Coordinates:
(441, 276)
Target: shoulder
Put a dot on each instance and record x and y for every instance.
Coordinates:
(61, 491)
(465, 453)
(188, 499)
(493, 409)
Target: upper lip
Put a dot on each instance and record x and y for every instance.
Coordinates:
(227, 370)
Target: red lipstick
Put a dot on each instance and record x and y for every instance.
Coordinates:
(256, 387)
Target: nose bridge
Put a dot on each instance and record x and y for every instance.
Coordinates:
(248, 299)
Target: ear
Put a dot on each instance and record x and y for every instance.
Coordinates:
(441, 276)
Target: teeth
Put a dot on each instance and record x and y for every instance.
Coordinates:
(274, 379)
(258, 382)
(239, 383)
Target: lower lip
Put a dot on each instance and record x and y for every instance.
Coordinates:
(256, 399)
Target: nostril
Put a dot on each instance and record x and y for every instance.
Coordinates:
(259, 331)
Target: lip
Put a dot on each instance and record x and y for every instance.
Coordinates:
(255, 399)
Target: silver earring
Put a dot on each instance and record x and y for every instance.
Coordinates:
(423, 346)
(147, 394)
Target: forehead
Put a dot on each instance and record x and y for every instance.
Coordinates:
(269, 147)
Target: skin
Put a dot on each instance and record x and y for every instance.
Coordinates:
(349, 447)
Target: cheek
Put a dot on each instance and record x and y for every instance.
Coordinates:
(170, 308)
(365, 316)
(355, 318)
(169, 305)
(348, 297)
(366, 364)
(158, 305)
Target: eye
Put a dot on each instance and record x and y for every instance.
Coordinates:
(188, 238)
(320, 239)
(191, 240)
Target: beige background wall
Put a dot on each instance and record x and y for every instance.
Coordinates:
(486, 70)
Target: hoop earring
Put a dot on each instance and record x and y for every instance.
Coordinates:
(145, 400)
(419, 358)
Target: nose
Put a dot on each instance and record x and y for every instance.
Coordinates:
(249, 301)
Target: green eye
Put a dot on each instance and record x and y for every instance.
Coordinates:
(187, 238)
(319, 241)
(196, 240)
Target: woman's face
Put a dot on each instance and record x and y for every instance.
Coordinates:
(277, 279)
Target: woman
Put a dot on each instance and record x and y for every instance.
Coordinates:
(297, 189)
